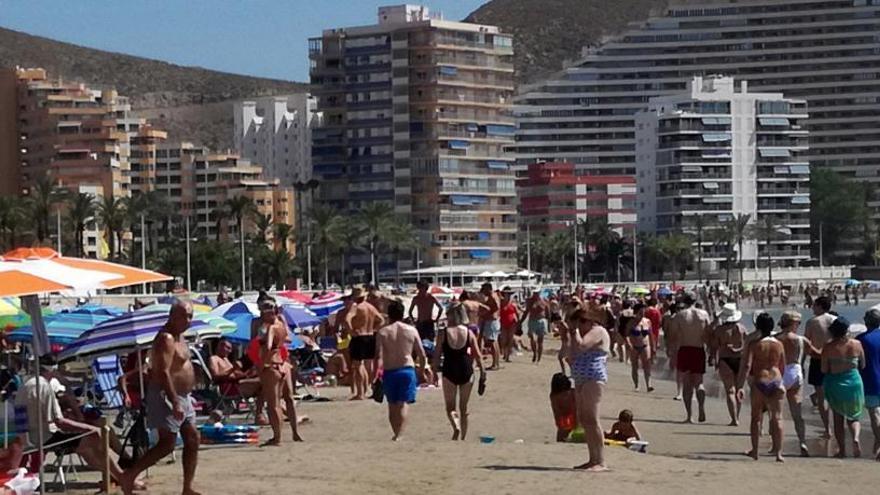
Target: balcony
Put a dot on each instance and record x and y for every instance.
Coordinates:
(450, 189)
(481, 208)
(449, 226)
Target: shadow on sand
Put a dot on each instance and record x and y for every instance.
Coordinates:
(526, 468)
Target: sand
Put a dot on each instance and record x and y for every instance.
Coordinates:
(348, 449)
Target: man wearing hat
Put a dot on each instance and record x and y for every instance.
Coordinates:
(728, 340)
(362, 320)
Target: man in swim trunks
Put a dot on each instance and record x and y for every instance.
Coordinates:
(361, 322)
(763, 364)
(538, 313)
(396, 344)
(796, 349)
(169, 405)
(491, 324)
(871, 372)
(425, 303)
(689, 333)
(817, 333)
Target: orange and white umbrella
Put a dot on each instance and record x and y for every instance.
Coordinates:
(29, 271)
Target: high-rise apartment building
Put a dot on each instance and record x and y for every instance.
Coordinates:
(715, 153)
(198, 182)
(276, 133)
(552, 196)
(77, 135)
(824, 51)
(416, 113)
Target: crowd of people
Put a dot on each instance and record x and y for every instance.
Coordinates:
(387, 351)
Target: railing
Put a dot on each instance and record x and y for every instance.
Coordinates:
(446, 189)
(478, 225)
(498, 208)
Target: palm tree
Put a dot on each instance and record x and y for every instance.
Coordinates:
(42, 196)
(377, 218)
(402, 237)
(152, 205)
(82, 210)
(352, 232)
(12, 218)
(263, 224)
(113, 216)
(766, 231)
(281, 232)
(740, 231)
(698, 224)
(325, 223)
(240, 207)
(678, 252)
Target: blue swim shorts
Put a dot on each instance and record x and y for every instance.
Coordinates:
(400, 385)
(491, 330)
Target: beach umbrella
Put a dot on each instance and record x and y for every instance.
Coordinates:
(851, 282)
(486, 274)
(639, 291)
(498, 274)
(299, 316)
(62, 328)
(12, 315)
(225, 326)
(664, 292)
(136, 330)
(93, 309)
(29, 272)
(325, 305)
(295, 295)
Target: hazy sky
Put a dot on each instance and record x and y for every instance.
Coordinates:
(258, 37)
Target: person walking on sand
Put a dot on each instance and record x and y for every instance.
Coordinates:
(459, 349)
(728, 340)
(796, 349)
(842, 358)
(396, 344)
(638, 335)
(491, 324)
(870, 341)
(509, 316)
(474, 308)
(425, 303)
(361, 321)
(169, 404)
(589, 344)
(816, 331)
(689, 332)
(538, 313)
(764, 362)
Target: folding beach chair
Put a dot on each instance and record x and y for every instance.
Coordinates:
(310, 367)
(106, 371)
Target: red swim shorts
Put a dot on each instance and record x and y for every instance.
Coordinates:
(691, 360)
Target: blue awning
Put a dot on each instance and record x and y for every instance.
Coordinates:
(780, 170)
(773, 121)
(800, 200)
(713, 137)
(448, 71)
(473, 127)
(500, 130)
(480, 254)
(467, 200)
(498, 165)
(800, 169)
(483, 236)
(772, 152)
(457, 144)
(716, 120)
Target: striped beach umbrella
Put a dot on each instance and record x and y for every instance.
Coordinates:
(326, 305)
(225, 326)
(13, 316)
(62, 328)
(94, 309)
(127, 332)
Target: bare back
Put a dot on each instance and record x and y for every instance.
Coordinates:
(424, 304)
(816, 329)
(397, 343)
(473, 309)
(363, 318)
(689, 327)
(767, 357)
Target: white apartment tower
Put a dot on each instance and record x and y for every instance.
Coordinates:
(276, 133)
(717, 151)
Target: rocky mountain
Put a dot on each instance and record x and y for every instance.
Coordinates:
(190, 102)
(549, 32)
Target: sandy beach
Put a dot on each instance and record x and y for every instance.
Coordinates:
(348, 449)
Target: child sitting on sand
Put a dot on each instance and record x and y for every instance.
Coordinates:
(624, 429)
(562, 401)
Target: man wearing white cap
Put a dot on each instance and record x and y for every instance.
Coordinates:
(727, 344)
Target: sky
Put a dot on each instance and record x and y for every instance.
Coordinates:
(267, 38)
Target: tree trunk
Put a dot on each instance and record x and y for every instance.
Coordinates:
(739, 259)
(342, 269)
(769, 264)
(700, 254)
(326, 271)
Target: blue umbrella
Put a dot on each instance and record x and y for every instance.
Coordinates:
(299, 316)
(62, 328)
(851, 282)
(664, 291)
(93, 309)
(129, 331)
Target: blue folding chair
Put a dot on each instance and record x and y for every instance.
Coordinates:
(107, 371)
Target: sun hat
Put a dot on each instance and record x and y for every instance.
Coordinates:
(729, 314)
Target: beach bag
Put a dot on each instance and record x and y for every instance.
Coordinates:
(378, 391)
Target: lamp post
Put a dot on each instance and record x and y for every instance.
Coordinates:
(529, 247)
(575, 281)
(241, 240)
(188, 259)
(143, 250)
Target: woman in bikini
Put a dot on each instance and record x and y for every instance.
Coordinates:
(763, 365)
(589, 345)
(796, 349)
(638, 335)
(727, 342)
(275, 371)
(842, 358)
(460, 349)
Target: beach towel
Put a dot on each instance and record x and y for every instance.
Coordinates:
(845, 394)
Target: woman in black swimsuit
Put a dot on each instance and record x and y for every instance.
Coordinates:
(457, 369)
